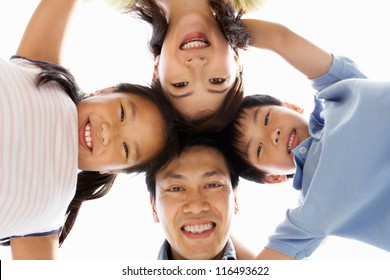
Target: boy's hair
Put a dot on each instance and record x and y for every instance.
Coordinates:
(235, 33)
(187, 141)
(234, 141)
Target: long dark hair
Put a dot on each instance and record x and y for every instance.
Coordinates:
(230, 24)
(92, 185)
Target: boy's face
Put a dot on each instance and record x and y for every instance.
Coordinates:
(117, 131)
(269, 133)
(195, 203)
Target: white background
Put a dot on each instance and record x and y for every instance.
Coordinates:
(104, 48)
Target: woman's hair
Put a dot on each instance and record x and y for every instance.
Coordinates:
(92, 185)
(229, 21)
(233, 136)
(211, 140)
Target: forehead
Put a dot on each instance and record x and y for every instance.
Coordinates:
(196, 161)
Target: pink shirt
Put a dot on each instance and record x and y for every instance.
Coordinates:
(38, 151)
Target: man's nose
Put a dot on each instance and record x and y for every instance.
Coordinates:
(196, 203)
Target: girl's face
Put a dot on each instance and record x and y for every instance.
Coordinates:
(118, 131)
(269, 133)
(197, 66)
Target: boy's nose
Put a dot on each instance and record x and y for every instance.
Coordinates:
(275, 136)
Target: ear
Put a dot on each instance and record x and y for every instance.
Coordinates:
(293, 107)
(155, 68)
(109, 172)
(104, 90)
(155, 216)
(273, 179)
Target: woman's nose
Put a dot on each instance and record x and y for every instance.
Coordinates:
(195, 60)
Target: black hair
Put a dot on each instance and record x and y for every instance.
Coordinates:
(186, 141)
(234, 142)
(230, 24)
(92, 185)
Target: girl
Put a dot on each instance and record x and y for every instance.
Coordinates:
(46, 138)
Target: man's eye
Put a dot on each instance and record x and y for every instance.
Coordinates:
(180, 85)
(259, 148)
(126, 149)
(175, 189)
(217, 81)
(266, 119)
(122, 113)
(213, 185)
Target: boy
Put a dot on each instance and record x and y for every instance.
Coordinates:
(339, 156)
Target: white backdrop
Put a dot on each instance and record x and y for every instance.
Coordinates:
(104, 48)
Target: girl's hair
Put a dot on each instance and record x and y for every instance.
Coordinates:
(93, 185)
(235, 33)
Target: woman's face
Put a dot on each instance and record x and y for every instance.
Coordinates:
(197, 66)
(118, 131)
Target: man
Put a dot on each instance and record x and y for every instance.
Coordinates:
(194, 197)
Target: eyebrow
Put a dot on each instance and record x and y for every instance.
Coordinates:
(210, 173)
(189, 93)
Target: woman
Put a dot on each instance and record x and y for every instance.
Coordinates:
(195, 45)
(46, 138)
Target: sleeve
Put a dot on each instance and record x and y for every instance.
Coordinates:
(342, 68)
(292, 240)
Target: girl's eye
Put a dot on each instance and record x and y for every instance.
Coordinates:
(180, 84)
(266, 119)
(259, 148)
(126, 149)
(122, 113)
(217, 81)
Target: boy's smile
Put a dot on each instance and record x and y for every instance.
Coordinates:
(269, 133)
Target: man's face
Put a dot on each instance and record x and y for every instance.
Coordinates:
(195, 203)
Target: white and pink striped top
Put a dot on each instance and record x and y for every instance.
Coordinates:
(38, 151)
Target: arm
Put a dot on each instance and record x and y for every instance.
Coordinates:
(307, 58)
(43, 37)
(268, 254)
(34, 247)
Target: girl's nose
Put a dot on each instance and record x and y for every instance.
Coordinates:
(275, 136)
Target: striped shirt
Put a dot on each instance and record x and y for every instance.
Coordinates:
(38, 152)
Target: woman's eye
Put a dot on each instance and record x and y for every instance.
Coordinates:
(122, 113)
(266, 119)
(217, 81)
(180, 85)
(126, 149)
(259, 148)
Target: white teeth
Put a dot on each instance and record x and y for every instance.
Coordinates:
(88, 138)
(291, 141)
(194, 44)
(198, 228)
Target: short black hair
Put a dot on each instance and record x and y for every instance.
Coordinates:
(233, 137)
(186, 141)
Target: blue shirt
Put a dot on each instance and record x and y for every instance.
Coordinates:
(343, 168)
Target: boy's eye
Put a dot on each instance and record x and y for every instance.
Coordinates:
(217, 81)
(266, 119)
(259, 148)
(126, 149)
(122, 113)
(180, 84)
